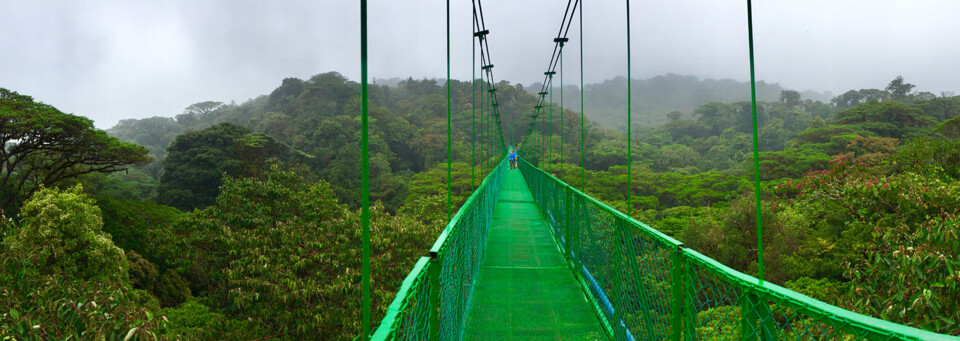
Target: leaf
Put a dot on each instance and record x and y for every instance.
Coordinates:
(14, 314)
(130, 334)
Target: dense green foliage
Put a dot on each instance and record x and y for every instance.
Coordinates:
(42, 146)
(246, 225)
(656, 99)
(860, 195)
(197, 161)
(61, 233)
(279, 255)
(62, 277)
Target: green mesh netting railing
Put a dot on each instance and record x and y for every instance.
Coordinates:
(434, 299)
(642, 284)
(647, 286)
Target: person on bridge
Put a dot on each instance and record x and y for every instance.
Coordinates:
(513, 159)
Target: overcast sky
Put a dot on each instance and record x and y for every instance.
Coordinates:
(111, 60)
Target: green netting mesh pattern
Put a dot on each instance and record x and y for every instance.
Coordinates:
(460, 252)
(645, 273)
(646, 286)
(642, 285)
(626, 269)
(408, 318)
(723, 304)
(449, 274)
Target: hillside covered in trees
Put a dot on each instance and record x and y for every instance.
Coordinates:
(240, 221)
(656, 99)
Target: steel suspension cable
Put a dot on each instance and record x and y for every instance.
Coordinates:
(483, 123)
(551, 67)
(480, 34)
(364, 177)
(449, 133)
(550, 125)
(619, 248)
(473, 102)
(629, 114)
(582, 144)
(561, 109)
(756, 141)
(485, 46)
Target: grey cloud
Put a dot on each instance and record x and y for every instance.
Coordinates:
(111, 60)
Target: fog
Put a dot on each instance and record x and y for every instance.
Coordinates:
(111, 60)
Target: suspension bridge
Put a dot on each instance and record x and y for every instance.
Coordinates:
(531, 257)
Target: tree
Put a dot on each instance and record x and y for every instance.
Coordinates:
(154, 133)
(718, 116)
(899, 89)
(892, 237)
(280, 251)
(923, 154)
(684, 132)
(42, 146)
(64, 308)
(870, 149)
(202, 108)
(676, 157)
(196, 162)
(131, 222)
(791, 162)
(731, 238)
(62, 233)
(854, 97)
(675, 116)
(887, 119)
(62, 278)
(950, 128)
(428, 192)
(790, 98)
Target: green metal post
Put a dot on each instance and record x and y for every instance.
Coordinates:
(568, 229)
(619, 333)
(756, 142)
(756, 322)
(434, 273)
(689, 312)
(364, 176)
(676, 286)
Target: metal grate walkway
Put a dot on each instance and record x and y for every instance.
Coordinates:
(525, 290)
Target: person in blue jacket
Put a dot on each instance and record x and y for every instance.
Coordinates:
(513, 159)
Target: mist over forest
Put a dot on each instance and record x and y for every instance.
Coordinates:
(240, 221)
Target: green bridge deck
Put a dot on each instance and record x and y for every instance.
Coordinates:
(525, 290)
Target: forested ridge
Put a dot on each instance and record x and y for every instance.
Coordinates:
(241, 221)
(655, 98)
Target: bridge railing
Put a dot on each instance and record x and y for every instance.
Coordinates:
(645, 285)
(434, 300)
